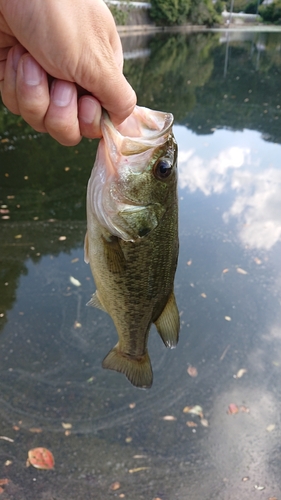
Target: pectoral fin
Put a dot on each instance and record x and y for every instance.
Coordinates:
(137, 370)
(168, 323)
(115, 259)
(96, 302)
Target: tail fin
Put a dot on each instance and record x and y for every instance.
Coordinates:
(137, 370)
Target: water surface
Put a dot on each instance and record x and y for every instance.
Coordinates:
(224, 91)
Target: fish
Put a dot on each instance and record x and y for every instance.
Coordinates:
(132, 239)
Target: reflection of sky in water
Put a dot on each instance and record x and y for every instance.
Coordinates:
(245, 167)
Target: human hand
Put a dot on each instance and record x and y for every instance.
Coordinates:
(60, 62)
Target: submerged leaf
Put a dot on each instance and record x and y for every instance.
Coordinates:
(138, 469)
(241, 271)
(115, 486)
(192, 371)
(232, 409)
(189, 423)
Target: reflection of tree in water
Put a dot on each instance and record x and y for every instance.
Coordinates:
(176, 67)
(41, 182)
(38, 239)
(248, 96)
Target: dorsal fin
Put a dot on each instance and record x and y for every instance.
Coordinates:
(168, 323)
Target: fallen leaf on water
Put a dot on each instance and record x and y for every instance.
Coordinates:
(4, 481)
(35, 430)
(204, 422)
(227, 318)
(5, 438)
(232, 409)
(62, 238)
(74, 281)
(189, 423)
(241, 271)
(192, 371)
(189, 262)
(115, 486)
(18, 236)
(241, 372)
(203, 295)
(225, 271)
(66, 425)
(40, 458)
(138, 469)
(132, 405)
(194, 410)
(270, 428)
(128, 439)
(169, 418)
(244, 409)
(122, 495)
(8, 462)
(75, 260)
(77, 324)
(245, 478)
(259, 488)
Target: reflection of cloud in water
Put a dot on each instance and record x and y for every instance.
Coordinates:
(257, 207)
(209, 176)
(220, 166)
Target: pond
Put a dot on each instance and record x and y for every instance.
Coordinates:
(108, 438)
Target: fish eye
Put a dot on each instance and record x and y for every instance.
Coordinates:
(162, 168)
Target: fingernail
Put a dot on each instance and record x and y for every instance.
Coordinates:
(18, 51)
(88, 109)
(61, 93)
(32, 72)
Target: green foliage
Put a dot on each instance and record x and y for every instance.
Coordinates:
(203, 12)
(252, 7)
(271, 13)
(219, 6)
(169, 12)
(120, 14)
(243, 6)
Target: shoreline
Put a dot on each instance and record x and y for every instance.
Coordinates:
(148, 28)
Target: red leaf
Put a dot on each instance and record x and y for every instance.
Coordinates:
(41, 458)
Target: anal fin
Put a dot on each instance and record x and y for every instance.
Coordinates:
(137, 370)
(168, 323)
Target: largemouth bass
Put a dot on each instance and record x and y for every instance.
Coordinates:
(132, 236)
